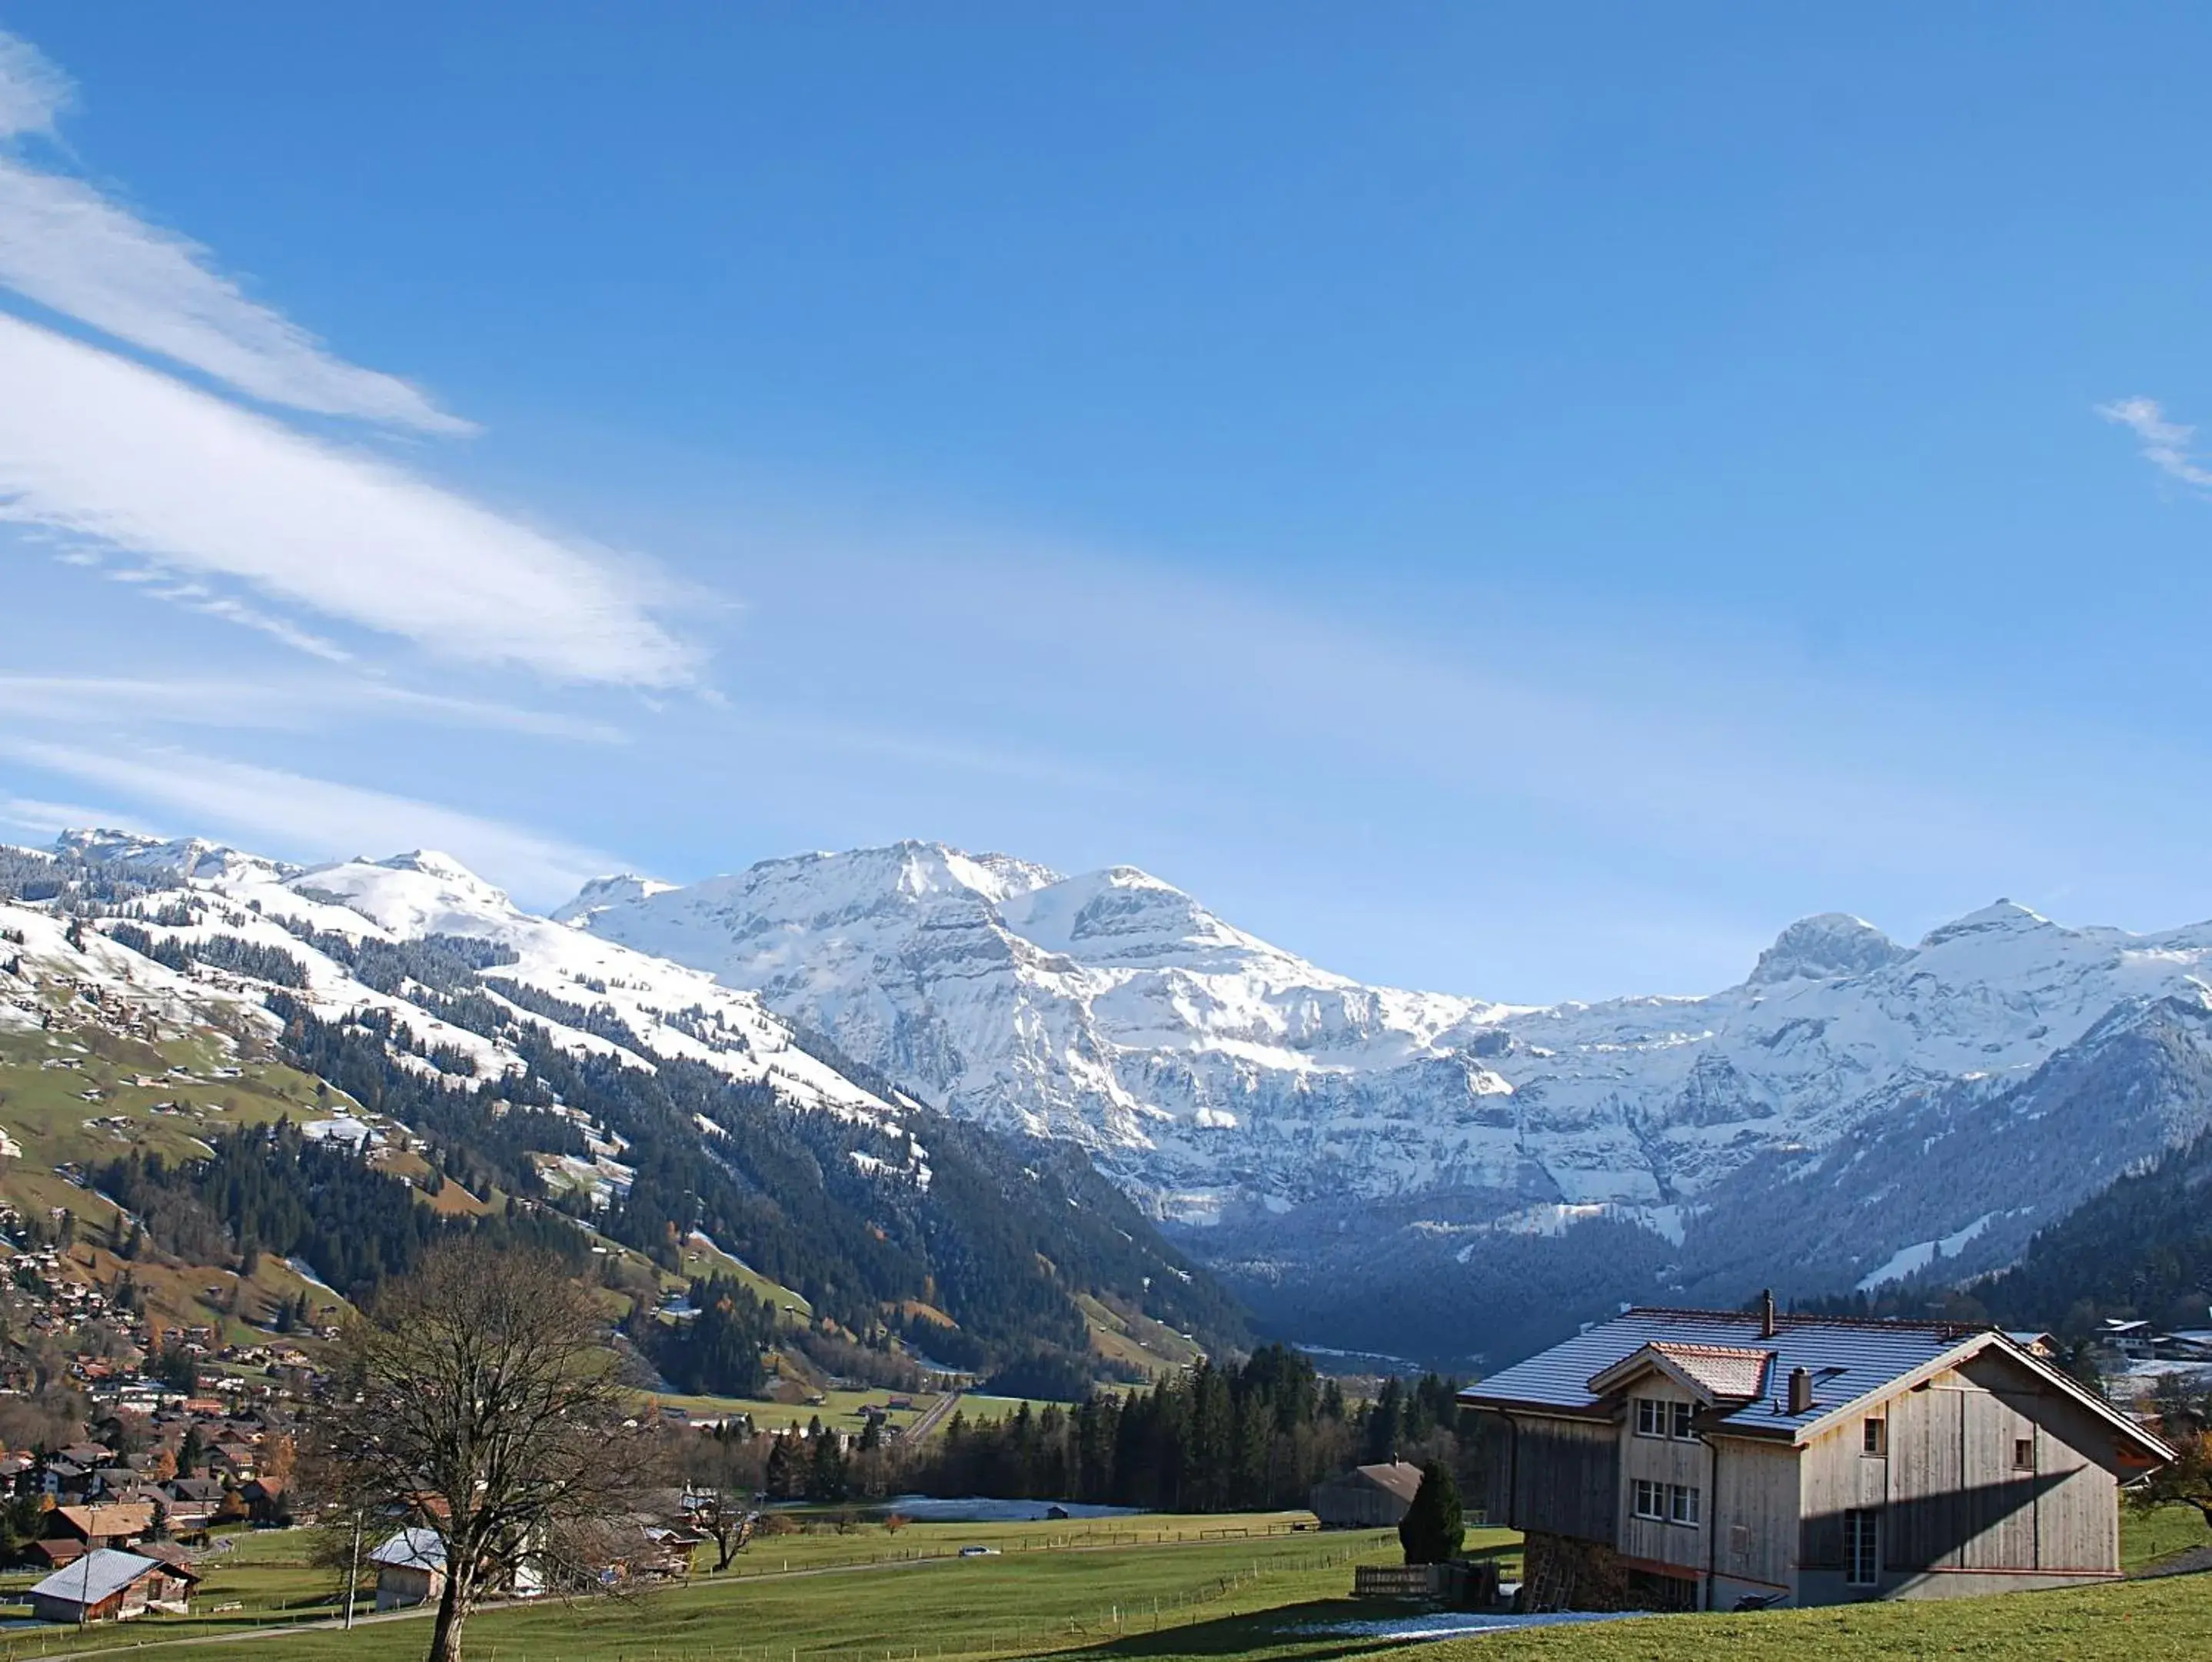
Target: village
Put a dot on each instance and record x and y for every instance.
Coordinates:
(1632, 1469)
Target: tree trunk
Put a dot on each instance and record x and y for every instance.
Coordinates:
(454, 1607)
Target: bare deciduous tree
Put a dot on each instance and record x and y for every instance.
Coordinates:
(481, 1399)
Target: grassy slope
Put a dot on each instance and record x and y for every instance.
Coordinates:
(1052, 1587)
(1066, 1588)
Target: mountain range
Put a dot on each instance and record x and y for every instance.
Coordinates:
(1390, 1170)
(1369, 1168)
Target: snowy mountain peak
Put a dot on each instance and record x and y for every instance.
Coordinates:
(2000, 918)
(615, 889)
(152, 858)
(1829, 944)
(432, 864)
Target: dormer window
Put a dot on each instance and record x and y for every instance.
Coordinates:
(1656, 1417)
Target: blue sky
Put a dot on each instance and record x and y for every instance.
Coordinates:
(1521, 502)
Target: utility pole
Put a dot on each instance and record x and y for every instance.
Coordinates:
(353, 1569)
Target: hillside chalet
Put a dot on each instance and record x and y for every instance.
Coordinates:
(1701, 1460)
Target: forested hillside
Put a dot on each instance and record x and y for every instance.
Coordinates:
(557, 1120)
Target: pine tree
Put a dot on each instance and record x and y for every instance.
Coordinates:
(1433, 1526)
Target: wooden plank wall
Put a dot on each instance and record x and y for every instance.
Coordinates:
(1664, 1460)
(1563, 1479)
(1951, 1496)
(1756, 1511)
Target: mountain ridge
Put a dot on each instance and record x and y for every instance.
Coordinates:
(1300, 1130)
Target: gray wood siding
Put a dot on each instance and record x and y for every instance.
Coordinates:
(1952, 1499)
(1560, 1477)
(1662, 1460)
(1756, 1511)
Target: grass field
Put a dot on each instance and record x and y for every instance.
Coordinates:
(1050, 1588)
(1183, 1587)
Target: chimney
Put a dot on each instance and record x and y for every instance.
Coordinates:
(1800, 1392)
(1766, 1323)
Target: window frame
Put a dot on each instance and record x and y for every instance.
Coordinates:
(1650, 1420)
(1647, 1500)
(1873, 1435)
(1684, 1505)
(2023, 1445)
(1862, 1547)
(1681, 1419)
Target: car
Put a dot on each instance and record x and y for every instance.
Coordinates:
(979, 1552)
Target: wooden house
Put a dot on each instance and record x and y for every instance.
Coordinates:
(1367, 1496)
(1688, 1458)
(120, 1525)
(410, 1569)
(110, 1585)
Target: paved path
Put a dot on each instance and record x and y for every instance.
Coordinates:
(933, 1416)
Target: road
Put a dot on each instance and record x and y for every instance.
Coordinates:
(933, 1416)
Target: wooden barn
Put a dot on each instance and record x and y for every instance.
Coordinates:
(1692, 1458)
(106, 1585)
(410, 1569)
(1367, 1496)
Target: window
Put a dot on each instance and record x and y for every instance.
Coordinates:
(1683, 1504)
(1651, 1420)
(1875, 1437)
(1861, 1547)
(1681, 1426)
(2023, 1453)
(1650, 1500)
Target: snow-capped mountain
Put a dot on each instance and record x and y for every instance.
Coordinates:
(1365, 1163)
(676, 1011)
(1225, 1081)
(1203, 1068)
(586, 1084)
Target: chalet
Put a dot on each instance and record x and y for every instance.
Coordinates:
(111, 1585)
(1367, 1496)
(410, 1569)
(1687, 1458)
(100, 1525)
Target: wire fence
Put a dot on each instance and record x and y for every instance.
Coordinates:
(1216, 1597)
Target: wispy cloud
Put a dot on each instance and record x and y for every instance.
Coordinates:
(33, 91)
(51, 819)
(294, 815)
(2165, 443)
(215, 490)
(68, 246)
(295, 704)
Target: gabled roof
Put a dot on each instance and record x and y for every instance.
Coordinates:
(1712, 1373)
(1400, 1478)
(121, 1518)
(1852, 1363)
(411, 1549)
(97, 1575)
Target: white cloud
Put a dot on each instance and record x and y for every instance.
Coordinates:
(51, 819)
(32, 90)
(98, 447)
(288, 704)
(65, 245)
(295, 816)
(2165, 443)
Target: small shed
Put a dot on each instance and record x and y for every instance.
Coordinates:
(1367, 1496)
(410, 1569)
(107, 1585)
